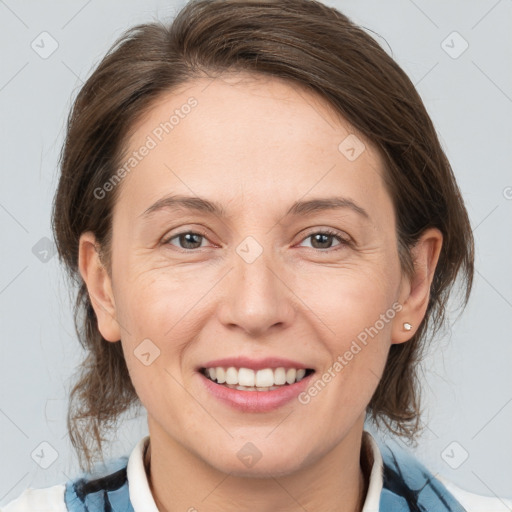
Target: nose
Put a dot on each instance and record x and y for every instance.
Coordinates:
(257, 298)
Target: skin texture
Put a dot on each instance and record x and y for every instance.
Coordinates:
(255, 145)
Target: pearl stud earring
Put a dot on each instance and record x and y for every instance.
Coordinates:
(407, 326)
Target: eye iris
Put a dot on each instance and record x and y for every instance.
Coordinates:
(324, 237)
(183, 239)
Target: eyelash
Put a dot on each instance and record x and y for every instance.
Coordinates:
(327, 232)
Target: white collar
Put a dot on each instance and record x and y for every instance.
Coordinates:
(143, 501)
(138, 485)
(372, 501)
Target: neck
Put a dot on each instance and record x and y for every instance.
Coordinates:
(181, 481)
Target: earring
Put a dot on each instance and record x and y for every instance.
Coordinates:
(407, 326)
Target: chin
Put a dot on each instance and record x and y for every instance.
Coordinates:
(268, 469)
(251, 462)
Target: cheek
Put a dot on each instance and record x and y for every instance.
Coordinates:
(161, 311)
(156, 328)
(153, 301)
(353, 311)
(346, 301)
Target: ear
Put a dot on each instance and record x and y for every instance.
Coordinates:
(99, 286)
(415, 291)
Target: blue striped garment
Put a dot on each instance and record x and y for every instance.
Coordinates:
(407, 487)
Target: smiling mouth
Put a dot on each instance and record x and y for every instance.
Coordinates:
(246, 379)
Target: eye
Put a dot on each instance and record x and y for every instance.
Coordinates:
(189, 239)
(320, 239)
(323, 239)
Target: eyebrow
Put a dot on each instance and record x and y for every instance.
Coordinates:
(299, 208)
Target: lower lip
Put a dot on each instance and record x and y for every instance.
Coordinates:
(256, 401)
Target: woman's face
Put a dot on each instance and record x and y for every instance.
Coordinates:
(254, 283)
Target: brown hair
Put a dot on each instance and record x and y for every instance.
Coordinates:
(310, 45)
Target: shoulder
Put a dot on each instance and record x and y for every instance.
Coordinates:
(111, 485)
(100, 491)
(408, 483)
(104, 488)
(39, 500)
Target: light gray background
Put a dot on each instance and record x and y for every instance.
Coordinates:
(468, 383)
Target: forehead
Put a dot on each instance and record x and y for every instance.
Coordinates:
(242, 136)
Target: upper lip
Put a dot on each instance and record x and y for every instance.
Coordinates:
(254, 364)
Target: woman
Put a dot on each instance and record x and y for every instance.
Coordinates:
(264, 229)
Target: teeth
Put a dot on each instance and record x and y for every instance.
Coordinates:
(249, 380)
(291, 373)
(279, 376)
(231, 376)
(300, 374)
(246, 388)
(245, 377)
(220, 375)
(264, 378)
(243, 388)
